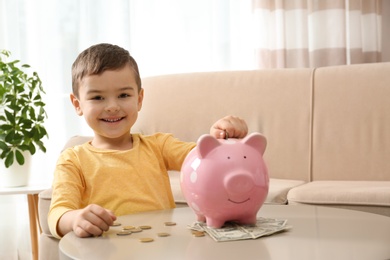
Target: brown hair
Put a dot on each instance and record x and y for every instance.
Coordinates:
(99, 58)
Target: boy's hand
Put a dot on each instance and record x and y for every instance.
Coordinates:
(92, 220)
(229, 127)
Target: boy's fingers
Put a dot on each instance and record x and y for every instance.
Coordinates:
(86, 228)
(112, 215)
(229, 127)
(103, 218)
(97, 220)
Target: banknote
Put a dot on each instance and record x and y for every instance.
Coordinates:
(232, 231)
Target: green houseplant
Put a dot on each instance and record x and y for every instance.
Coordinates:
(22, 112)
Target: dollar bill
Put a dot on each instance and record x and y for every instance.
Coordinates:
(232, 231)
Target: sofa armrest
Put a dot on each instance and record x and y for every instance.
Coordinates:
(44, 200)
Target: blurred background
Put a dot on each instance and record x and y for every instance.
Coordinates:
(173, 36)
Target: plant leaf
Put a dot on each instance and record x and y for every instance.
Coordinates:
(19, 157)
(32, 148)
(6, 127)
(10, 116)
(3, 146)
(9, 160)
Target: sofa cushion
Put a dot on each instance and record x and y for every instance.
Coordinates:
(77, 140)
(174, 177)
(278, 190)
(368, 193)
(48, 247)
(351, 123)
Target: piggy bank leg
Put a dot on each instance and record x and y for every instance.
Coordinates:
(200, 218)
(214, 223)
(249, 220)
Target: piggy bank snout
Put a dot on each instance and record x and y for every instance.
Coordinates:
(237, 183)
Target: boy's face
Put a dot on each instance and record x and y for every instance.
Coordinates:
(109, 102)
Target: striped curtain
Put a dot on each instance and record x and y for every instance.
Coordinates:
(316, 33)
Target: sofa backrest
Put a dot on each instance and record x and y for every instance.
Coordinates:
(351, 123)
(330, 123)
(275, 102)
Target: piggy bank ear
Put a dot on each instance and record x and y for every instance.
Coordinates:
(206, 143)
(257, 141)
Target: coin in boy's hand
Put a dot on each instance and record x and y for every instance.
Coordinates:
(163, 234)
(146, 239)
(170, 223)
(123, 233)
(115, 224)
(145, 227)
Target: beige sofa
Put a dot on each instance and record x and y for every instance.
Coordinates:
(328, 130)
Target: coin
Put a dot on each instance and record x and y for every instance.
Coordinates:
(163, 234)
(115, 224)
(146, 239)
(198, 233)
(136, 230)
(145, 227)
(170, 223)
(123, 233)
(128, 227)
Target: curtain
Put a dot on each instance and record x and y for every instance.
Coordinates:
(316, 33)
(170, 36)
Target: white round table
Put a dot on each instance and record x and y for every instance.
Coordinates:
(317, 233)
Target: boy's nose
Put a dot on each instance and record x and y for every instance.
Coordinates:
(112, 107)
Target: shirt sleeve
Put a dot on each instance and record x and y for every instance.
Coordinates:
(68, 184)
(175, 152)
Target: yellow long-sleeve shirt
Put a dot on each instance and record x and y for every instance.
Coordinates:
(125, 182)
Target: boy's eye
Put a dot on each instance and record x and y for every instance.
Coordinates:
(97, 98)
(124, 95)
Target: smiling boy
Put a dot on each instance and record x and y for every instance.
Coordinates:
(118, 172)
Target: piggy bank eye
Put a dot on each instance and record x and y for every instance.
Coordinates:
(228, 157)
(244, 156)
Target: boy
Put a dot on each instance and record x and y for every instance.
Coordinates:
(118, 172)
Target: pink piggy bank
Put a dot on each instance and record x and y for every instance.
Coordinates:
(226, 180)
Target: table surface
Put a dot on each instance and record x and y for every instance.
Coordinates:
(317, 233)
(33, 189)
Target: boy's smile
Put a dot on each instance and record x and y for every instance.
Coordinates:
(112, 120)
(110, 103)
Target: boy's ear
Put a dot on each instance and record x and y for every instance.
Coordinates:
(140, 98)
(76, 104)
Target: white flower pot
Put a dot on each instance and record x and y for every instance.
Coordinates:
(16, 175)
